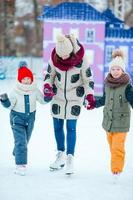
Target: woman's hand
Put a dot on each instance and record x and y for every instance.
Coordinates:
(48, 92)
(90, 102)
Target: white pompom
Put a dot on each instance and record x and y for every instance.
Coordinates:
(60, 38)
(118, 52)
(74, 42)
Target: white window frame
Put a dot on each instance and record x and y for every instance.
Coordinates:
(56, 31)
(75, 31)
(90, 55)
(109, 50)
(92, 35)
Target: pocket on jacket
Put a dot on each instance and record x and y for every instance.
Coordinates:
(56, 109)
(121, 120)
(75, 110)
(13, 119)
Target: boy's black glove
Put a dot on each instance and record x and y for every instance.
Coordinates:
(3, 97)
(5, 100)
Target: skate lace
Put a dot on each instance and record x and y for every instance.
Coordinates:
(69, 160)
(58, 156)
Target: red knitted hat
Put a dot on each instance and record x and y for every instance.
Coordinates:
(23, 72)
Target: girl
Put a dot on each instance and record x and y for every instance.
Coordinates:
(117, 98)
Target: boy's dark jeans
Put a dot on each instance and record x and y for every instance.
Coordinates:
(22, 126)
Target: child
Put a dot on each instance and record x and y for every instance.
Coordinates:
(117, 96)
(22, 103)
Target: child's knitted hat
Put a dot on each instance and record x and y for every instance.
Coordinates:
(118, 60)
(23, 71)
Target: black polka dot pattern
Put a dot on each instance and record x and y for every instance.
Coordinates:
(54, 89)
(49, 69)
(88, 72)
(56, 109)
(75, 110)
(58, 76)
(79, 65)
(74, 78)
(91, 84)
(47, 77)
(80, 91)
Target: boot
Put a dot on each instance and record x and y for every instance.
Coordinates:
(59, 162)
(20, 170)
(69, 164)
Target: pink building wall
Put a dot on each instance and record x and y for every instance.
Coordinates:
(97, 47)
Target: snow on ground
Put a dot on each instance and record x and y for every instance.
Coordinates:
(92, 179)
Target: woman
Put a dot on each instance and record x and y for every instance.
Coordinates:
(68, 80)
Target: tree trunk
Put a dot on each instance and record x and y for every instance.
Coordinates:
(7, 47)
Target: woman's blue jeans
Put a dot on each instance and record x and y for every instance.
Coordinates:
(70, 136)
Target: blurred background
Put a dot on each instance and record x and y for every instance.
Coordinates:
(26, 32)
(21, 32)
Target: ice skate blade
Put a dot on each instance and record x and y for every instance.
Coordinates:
(56, 169)
(69, 173)
(20, 173)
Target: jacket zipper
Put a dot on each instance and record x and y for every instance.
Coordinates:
(65, 93)
(120, 100)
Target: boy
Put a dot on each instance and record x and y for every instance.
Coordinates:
(22, 103)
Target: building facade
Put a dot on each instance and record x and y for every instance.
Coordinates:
(100, 33)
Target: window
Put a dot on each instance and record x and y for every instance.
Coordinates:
(56, 31)
(109, 50)
(90, 56)
(90, 35)
(75, 31)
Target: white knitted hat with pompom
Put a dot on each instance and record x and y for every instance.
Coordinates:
(63, 46)
(117, 60)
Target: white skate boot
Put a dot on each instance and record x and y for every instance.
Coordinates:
(20, 170)
(59, 162)
(69, 165)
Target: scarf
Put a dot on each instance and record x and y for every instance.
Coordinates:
(25, 89)
(68, 63)
(116, 82)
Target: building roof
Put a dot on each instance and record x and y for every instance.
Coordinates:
(77, 11)
(72, 11)
(112, 18)
(115, 32)
(85, 12)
